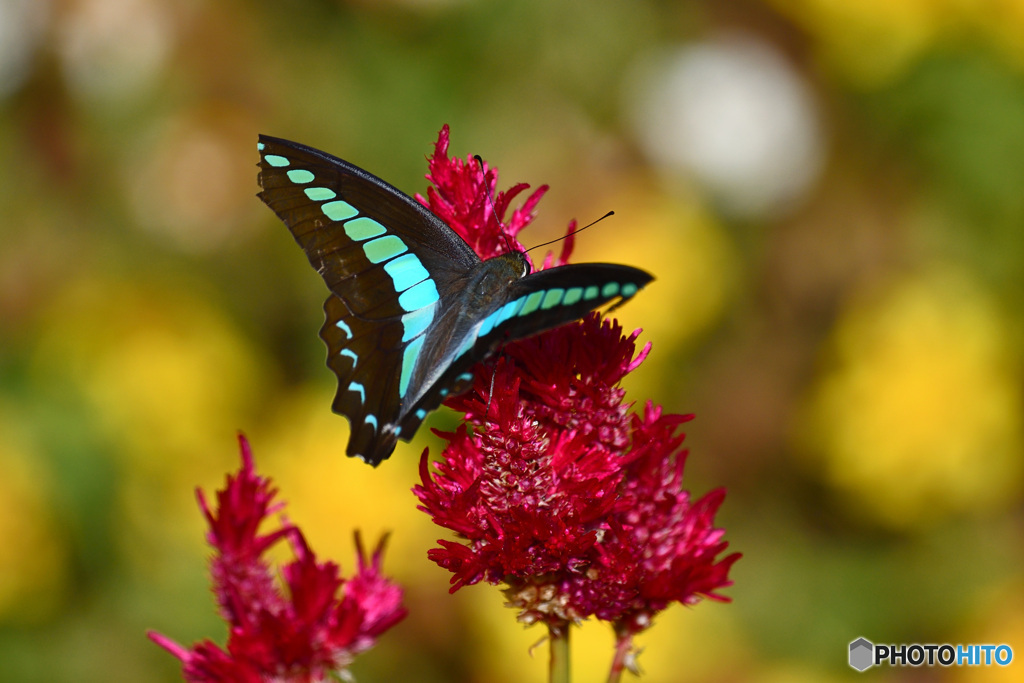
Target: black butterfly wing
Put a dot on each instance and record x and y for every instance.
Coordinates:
(532, 304)
(388, 262)
(362, 354)
(351, 224)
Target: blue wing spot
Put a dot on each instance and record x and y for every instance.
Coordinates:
(371, 420)
(341, 325)
(443, 393)
(592, 293)
(628, 289)
(488, 324)
(464, 377)
(319, 194)
(417, 321)
(259, 146)
(339, 210)
(467, 345)
(300, 176)
(349, 353)
(420, 413)
(363, 228)
(276, 160)
(552, 298)
(418, 296)
(412, 351)
(359, 389)
(406, 271)
(384, 248)
(532, 303)
(572, 296)
(610, 289)
(510, 309)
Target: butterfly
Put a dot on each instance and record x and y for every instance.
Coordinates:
(412, 307)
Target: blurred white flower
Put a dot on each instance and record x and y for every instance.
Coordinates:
(111, 49)
(188, 179)
(736, 115)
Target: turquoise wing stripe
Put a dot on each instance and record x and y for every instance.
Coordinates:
(300, 176)
(418, 296)
(319, 194)
(572, 295)
(552, 298)
(339, 210)
(406, 271)
(363, 228)
(384, 248)
(409, 356)
(416, 322)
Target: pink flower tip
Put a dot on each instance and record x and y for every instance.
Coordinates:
(308, 629)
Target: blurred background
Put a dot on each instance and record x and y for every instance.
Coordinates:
(829, 192)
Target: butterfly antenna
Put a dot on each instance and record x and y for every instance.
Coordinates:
(610, 213)
(490, 202)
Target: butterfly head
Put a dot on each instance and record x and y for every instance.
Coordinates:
(518, 263)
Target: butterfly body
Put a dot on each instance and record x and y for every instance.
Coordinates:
(412, 308)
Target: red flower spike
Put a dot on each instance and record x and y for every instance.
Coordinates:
(551, 486)
(463, 196)
(310, 632)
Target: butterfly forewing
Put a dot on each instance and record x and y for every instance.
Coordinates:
(352, 224)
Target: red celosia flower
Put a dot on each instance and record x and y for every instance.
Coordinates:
(311, 633)
(662, 547)
(552, 487)
(463, 196)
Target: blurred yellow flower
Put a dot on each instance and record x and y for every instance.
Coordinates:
(998, 619)
(166, 379)
(1003, 21)
(873, 42)
(921, 415)
(33, 571)
(870, 41)
(330, 495)
(165, 371)
(689, 254)
(683, 644)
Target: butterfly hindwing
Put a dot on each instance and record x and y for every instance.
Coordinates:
(366, 356)
(382, 374)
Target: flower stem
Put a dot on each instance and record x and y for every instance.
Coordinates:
(558, 666)
(623, 643)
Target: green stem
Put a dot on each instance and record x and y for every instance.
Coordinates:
(558, 666)
(623, 644)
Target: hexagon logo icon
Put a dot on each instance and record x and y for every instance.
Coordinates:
(862, 653)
